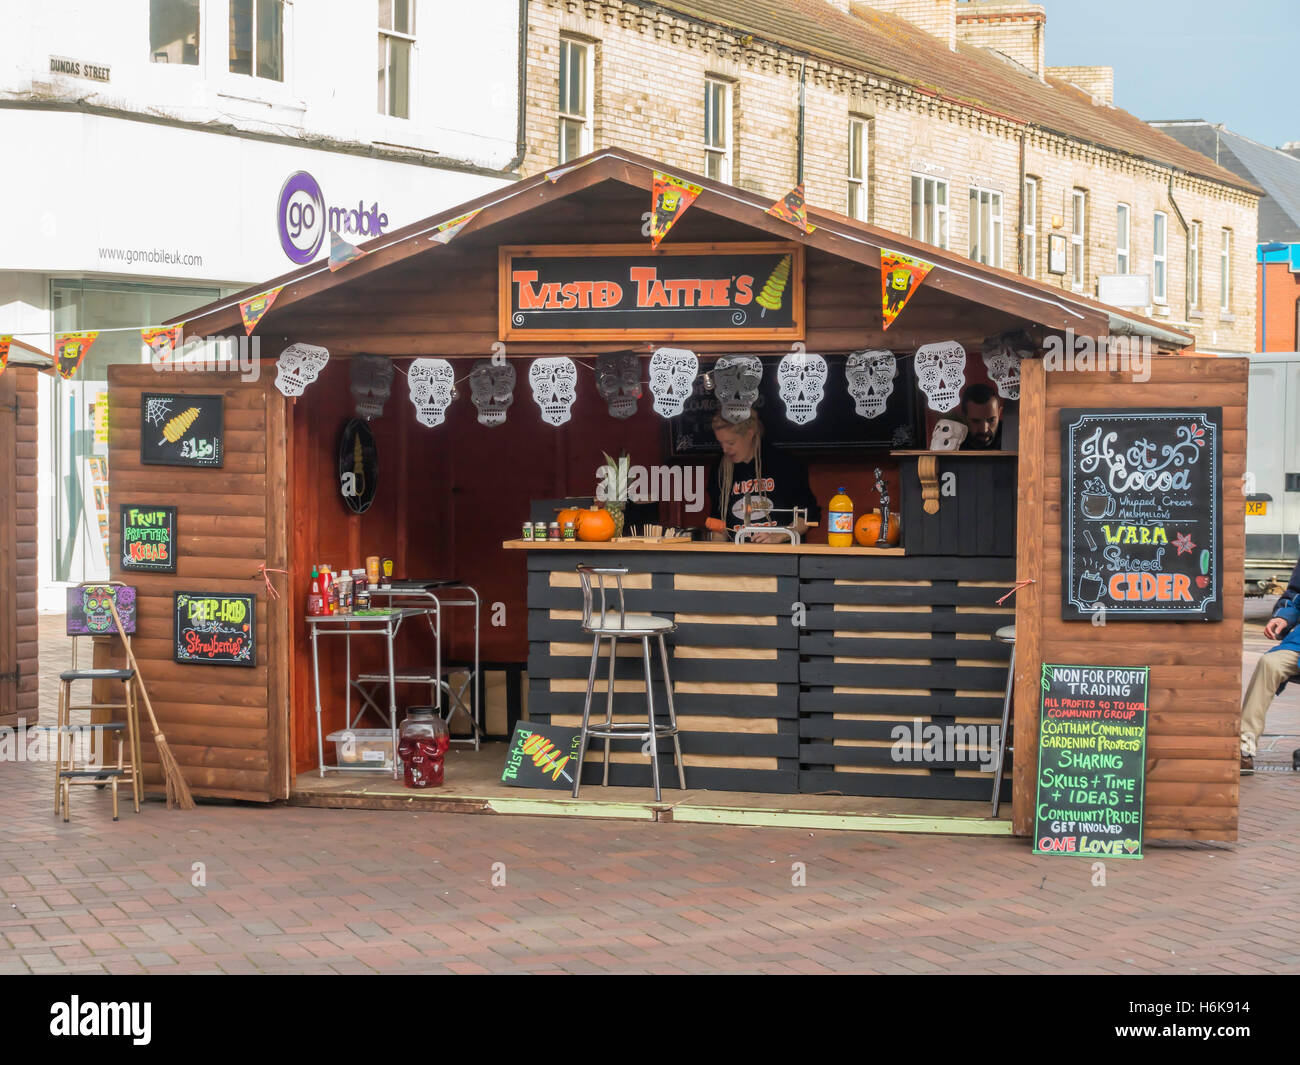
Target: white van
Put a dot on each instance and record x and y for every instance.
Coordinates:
(1272, 469)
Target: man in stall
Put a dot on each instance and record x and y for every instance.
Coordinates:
(1273, 670)
(981, 407)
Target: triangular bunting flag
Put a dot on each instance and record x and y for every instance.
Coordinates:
(163, 340)
(70, 349)
(668, 202)
(4, 352)
(252, 310)
(446, 233)
(793, 209)
(900, 276)
(341, 252)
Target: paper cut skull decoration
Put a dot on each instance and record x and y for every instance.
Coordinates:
(555, 386)
(871, 380)
(735, 385)
(941, 373)
(298, 366)
(432, 383)
(802, 380)
(492, 390)
(672, 377)
(371, 383)
(948, 435)
(1002, 355)
(618, 380)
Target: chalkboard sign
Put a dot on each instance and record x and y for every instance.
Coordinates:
(837, 424)
(676, 292)
(215, 629)
(89, 613)
(358, 466)
(542, 756)
(148, 538)
(180, 430)
(1141, 514)
(1092, 748)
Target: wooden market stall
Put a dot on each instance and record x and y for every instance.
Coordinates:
(888, 637)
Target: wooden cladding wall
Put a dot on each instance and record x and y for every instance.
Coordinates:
(19, 633)
(897, 641)
(227, 726)
(1195, 688)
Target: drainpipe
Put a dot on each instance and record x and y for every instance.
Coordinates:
(802, 70)
(521, 129)
(1187, 274)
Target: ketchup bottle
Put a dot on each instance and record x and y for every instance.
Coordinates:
(315, 601)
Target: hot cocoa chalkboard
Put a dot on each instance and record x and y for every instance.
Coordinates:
(181, 430)
(148, 538)
(1092, 743)
(1141, 514)
(215, 629)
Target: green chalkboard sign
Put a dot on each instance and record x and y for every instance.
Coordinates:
(542, 756)
(1092, 749)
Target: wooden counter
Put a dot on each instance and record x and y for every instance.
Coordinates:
(699, 547)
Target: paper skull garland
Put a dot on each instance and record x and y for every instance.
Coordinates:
(871, 381)
(555, 386)
(297, 367)
(492, 390)
(672, 378)
(432, 385)
(371, 383)
(735, 385)
(802, 380)
(1002, 355)
(618, 380)
(948, 435)
(941, 373)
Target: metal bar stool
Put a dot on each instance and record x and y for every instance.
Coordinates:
(624, 626)
(1007, 634)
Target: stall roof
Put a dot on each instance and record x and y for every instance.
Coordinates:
(23, 354)
(1045, 305)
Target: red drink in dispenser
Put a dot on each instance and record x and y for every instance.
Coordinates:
(422, 746)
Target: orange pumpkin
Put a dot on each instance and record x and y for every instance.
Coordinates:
(595, 526)
(867, 529)
(570, 515)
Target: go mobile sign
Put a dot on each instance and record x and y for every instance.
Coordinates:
(302, 218)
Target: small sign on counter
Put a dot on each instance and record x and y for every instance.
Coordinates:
(542, 756)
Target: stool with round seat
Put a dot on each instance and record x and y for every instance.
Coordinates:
(615, 625)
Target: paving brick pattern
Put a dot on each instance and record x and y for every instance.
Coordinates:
(305, 890)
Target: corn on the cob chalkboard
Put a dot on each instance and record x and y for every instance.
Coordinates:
(181, 430)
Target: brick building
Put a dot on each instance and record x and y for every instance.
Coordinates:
(929, 117)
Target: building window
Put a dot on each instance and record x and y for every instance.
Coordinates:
(1225, 272)
(1078, 238)
(717, 129)
(986, 226)
(1159, 260)
(930, 210)
(859, 145)
(575, 99)
(174, 32)
(396, 45)
(1029, 228)
(1121, 238)
(1194, 266)
(257, 38)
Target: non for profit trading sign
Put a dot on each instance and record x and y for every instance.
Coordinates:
(1092, 744)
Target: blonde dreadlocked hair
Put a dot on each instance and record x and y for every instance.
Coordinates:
(727, 468)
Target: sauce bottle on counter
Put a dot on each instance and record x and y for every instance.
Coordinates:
(328, 591)
(315, 601)
(840, 520)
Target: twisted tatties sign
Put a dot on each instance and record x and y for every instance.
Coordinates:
(624, 292)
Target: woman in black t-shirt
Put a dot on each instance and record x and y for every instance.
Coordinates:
(771, 478)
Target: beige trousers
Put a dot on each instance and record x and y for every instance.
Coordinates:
(1270, 671)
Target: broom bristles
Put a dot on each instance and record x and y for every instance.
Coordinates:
(178, 792)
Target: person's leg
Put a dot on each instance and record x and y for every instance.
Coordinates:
(1270, 671)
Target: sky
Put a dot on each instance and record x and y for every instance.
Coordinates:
(1228, 61)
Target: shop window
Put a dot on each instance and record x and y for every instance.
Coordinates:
(575, 99)
(1225, 272)
(1029, 228)
(174, 32)
(1159, 258)
(717, 129)
(1194, 266)
(930, 210)
(396, 47)
(859, 145)
(986, 226)
(1122, 238)
(257, 38)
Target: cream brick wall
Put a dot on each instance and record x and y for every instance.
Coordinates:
(650, 68)
(1016, 30)
(1098, 82)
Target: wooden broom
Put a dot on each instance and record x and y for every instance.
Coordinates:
(178, 792)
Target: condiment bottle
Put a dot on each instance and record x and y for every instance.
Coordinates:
(345, 592)
(315, 602)
(328, 590)
(840, 520)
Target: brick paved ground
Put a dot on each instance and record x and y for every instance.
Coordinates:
(302, 890)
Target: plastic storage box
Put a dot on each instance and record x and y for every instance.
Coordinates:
(363, 748)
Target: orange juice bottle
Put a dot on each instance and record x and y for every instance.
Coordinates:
(840, 520)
